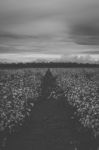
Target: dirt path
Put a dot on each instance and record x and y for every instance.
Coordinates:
(49, 129)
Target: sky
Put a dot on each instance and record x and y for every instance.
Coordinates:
(54, 27)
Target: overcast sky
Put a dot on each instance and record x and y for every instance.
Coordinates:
(49, 26)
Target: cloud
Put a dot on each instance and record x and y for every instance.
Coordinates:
(86, 34)
(26, 57)
(18, 13)
(84, 28)
(95, 52)
(75, 22)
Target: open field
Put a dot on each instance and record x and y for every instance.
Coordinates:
(70, 98)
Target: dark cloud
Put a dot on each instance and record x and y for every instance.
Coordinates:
(12, 36)
(84, 28)
(20, 49)
(85, 34)
(92, 52)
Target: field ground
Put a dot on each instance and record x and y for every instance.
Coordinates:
(49, 129)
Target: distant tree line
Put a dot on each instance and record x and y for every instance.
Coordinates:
(47, 65)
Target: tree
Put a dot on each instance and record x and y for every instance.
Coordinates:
(48, 84)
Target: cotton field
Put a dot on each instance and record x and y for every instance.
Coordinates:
(82, 92)
(21, 88)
